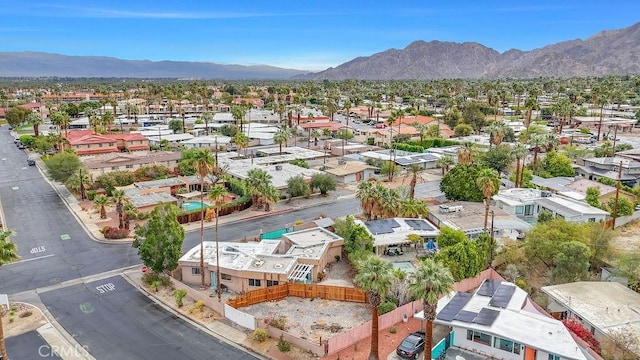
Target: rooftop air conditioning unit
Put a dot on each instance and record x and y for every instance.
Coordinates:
(545, 193)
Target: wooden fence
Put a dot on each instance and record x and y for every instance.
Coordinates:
(279, 292)
(195, 215)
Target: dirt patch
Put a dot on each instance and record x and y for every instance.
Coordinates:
(189, 308)
(628, 238)
(21, 318)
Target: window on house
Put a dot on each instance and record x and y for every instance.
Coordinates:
(129, 166)
(519, 210)
(100, 145)
(271, 283)
(195, 271)
(110, 144)
(592, 219)
(479, 337)
(115, 167)
(254, 282)
(554, 357)
(88, 146)
(225, 276)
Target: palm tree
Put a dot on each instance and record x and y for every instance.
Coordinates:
(519, 151)
(8, 253)
(120, 198)
(257, 182)
(497, 131)
(217, 194)
(365, 193)
(488, 181)
(415, 170)
(35, 120)
(79, 182)
(430, 281)
(465, 153)
(282, 136)
(203, 163)
(206, 117)
(315, 134)
(422, 129)
(237, 113)
(445, 162)
(536, 142)
(375, 276)
(271, 196)
(390, 200)
(413, 208)
(100, 202)
(531, 103)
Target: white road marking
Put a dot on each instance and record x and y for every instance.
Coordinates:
(31, 259)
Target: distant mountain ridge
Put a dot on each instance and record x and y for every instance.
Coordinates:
(605, 53)
(38, 64)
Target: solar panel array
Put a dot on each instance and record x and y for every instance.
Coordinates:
(419, 224)
(384, 226)
(454, 306)
(486, 316)
(502, 296)
(488, 287)
(466, 316)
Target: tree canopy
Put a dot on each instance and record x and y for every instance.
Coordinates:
(61, 166)
(460, 183)
(159, 240)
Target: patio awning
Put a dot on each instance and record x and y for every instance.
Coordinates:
(189, 195)
(301, 272)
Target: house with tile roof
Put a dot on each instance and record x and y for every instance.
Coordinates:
(87, 142)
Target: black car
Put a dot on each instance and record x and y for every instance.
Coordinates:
(31, 162)
(411, 346)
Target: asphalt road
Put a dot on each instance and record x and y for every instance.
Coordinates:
(115, 321)
(29, 346)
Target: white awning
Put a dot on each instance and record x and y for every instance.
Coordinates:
(301, 272)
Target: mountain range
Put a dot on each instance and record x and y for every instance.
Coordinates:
(605, 53)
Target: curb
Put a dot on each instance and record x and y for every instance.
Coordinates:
(194, 322)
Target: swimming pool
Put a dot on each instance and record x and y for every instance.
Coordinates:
(192, 205)
(406, 266)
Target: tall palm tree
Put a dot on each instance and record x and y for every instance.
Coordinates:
(315, 134)
(445, 162)
(415, 170)
(271, 196)
(35, 120)
(365, 193)
(206, 117)
(79, 182)
(120, 198)
(241, 140)
(430, 281)
(488, 181)
(217, 194)
(536, 142)
(531, 103)
(282, 136)
(203, 163)
(257, 182)
(497, 131)
(237, 113)
(8, 253)
(519, 151)
(375, 276)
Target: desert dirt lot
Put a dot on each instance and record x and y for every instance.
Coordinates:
(628, 238)
(21, 318)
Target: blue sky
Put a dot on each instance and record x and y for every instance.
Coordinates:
(302, 34)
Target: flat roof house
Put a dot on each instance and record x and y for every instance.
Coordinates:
(296, 257)
(387, 232)
(605, 308)
(498, 321)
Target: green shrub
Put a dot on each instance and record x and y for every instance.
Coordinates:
(179, 295)
(284, 345)
(260, 334)
(91, 194)
(279, 323)
(112, 232)
(393, 330)
(386, 306)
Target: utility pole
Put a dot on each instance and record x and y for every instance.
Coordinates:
(490, 255)
(615, 137)
(81, 186)
(615, 205)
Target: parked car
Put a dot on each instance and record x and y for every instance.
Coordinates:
(21, 146)
(411, 346)
(31, 162)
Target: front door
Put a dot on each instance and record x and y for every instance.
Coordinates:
(529, 354)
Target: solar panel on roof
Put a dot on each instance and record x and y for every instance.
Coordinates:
(466, 316)
(488, 287)
(502, 296)
(419, 224)
(486, 317)
(454, 306)
(384, 226)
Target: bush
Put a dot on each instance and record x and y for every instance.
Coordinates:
(386, 306)
(393, 330)
(284, 345)
(279, 323)
(25, 314)
(260, 334)
(91, 194)
(199, 305)
(151, 277)
(179, 295)
(112, 232)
